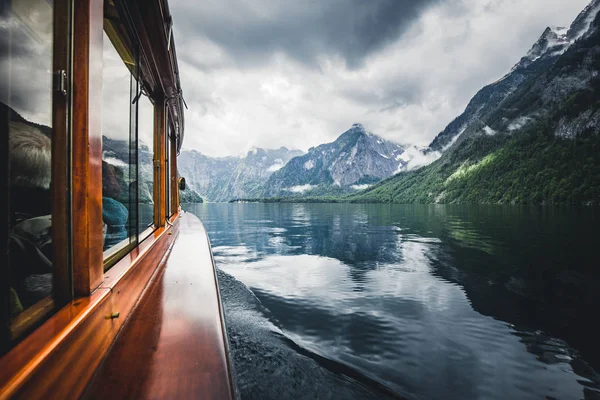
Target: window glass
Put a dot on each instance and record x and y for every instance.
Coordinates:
(168, 173)
(145, 163)
(26, 35)
(119, 161)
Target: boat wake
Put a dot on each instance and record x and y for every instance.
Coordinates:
(270, 365)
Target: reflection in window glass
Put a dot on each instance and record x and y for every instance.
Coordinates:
(118, 147)
(168, 164)
(145, 164)
(26, 123)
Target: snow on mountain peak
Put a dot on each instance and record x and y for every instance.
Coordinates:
(554, 41)
(584, 21)
(557, 39)
(559, 30)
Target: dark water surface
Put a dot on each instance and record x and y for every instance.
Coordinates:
(418, 302)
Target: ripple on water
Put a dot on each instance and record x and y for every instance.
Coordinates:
(415, 298)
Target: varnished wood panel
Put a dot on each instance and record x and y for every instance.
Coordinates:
(83, 348)
(127, 286)
(22, 369)
(159, 160)
(87, 146)
(60, 357)
(163, 162)
(174, 344)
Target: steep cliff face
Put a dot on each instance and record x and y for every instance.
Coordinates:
(553, 43)
(227, 178)
(205, 175)
(539, 144)
(253, 171)
(353, 161)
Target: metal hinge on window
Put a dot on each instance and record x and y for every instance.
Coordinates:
(61, 82)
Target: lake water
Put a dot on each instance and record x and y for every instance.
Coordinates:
(418, 302)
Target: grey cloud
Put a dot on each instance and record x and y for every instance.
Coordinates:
(383, 98)
(395, 105)
(273, 73)
(250, 31)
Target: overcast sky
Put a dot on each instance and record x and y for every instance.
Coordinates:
(272, 73)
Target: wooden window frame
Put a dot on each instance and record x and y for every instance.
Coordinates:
(174, 193)
(114, 254)
(87, 276)
(88, 259)
(160, 177)
(156, 98)
(60, 189)
(88, 270)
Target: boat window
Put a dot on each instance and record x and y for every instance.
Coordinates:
(128, 172)
(146, 165)
(28, 270)
(168, 166)
(119, 161)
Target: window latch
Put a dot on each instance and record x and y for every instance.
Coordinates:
(61, 82)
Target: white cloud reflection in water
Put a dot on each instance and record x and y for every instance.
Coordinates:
(398, 320)
(385, 311)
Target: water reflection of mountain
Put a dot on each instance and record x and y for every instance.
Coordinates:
(541, 275)
(309, 229)
(533, 268)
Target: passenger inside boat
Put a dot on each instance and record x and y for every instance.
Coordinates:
(30, 240)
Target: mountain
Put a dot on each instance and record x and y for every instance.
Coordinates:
(227, 178)
(553, 43)
(12, 115)
(531, 137)
(205, 175)
(353, 161)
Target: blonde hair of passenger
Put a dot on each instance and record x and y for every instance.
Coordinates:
(30, 156)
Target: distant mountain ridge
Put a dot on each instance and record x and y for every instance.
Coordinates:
(227, 178)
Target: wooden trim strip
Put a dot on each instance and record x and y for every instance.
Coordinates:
(158, 162)
(162, 162)
(88, 266)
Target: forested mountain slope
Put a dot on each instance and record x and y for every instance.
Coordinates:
(539, 144)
